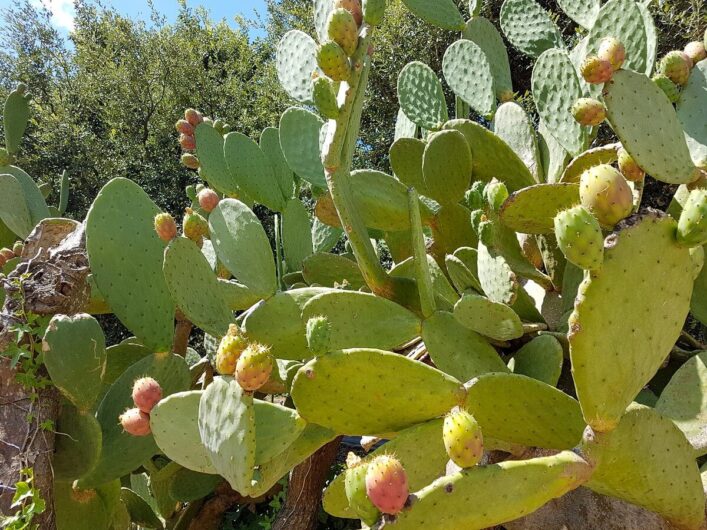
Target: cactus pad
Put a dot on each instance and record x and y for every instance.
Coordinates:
(513, 126)
(78, 445)
(541, 359)
(491, 319)
(446, 166)
(324, 237)
(623, 20)
(276, 428)
(461, 276)
(295, 62)
(452, 228)
(552, 154)
(270, 145)
(583, 12)
(296, 234)
(330, 270)
(692, 113)
(440, 283)
(605, 154)
(443, 13)
(15, 117)
(468, 72)
(13, 208)
(532, 210)
(497, 279)
(529, 27)
(485, 35)
(406, 160)
(78, 510)
(299, 138)
(421, 95)
(213, 169)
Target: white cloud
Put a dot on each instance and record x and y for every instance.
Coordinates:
(62, 13)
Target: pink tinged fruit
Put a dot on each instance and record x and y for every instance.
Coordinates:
(353, 7)
(589, 112)
(187, 142)
(612, 50)
(629, 168)
(7, 254)
(676, 66)
(596, 70)
(146, 394)
(208, 199)
(184, 127)
(695, 51)
(254, 367)
(194, 117)
(606, 194)
(135, 422)
(166, 227)
(387, 484)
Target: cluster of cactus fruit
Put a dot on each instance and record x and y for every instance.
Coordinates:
(517, 250)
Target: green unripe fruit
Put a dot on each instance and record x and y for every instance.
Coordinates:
(194, 226)
(596, 70)
(695, 51)
(254, 367)
(190, 161)
(588, 111)
(629, 168)
(676, 66)
(229, 350)
(332, 60)
(667, 86)
(355, 487)
(374, 11)
(495, 194)
(353, 7)
(166, 227)
(325, 98)
(342, 29)
(612, 50)
(462, 438)
(318, 334)
(579, 237)
(692, 226)
(606, 194)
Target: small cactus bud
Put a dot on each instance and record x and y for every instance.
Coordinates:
(676, 66)
(629, 168)
(194, 226)
(387, 484)
(190, 161)
(588, 111)
(332, 60)
(254, 367)
(229, 350)
(135, 422)
(194, 117)
(495, 194)
(187, 142)
(208, 199)
(374, 11)
(671, 90)
(325, 98)
(462, 438)
(184, 127)
(166, 227)
(355, 487)
(579, 237)
(17, 248)
(612, 50)
(318, 334)
(353, 7)
(477, 217)
(146, 394)
(695, 51)
(606, 194)
(596, 70)
(342, 29)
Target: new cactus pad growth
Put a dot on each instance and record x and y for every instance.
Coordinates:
(463, 439)
(670, 89)
(387, 484)
(692, 225)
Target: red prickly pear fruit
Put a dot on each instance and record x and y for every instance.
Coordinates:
(166, 227)
(187, 142)
(596, 70)
(462, 438)
(146, 394)
(667, 86)
(611, 49)
(17, 248)
(387, 484)
(194, 117)
(208, 199)
(135, 422)
(190, 161)
(695, 50)
(332, 60)
(355, 487)
(588, 111)
(629, 168)
(194, 226)
(353, 7)
(342, 29)
(7, 254)
(184, 127)
(254, 367)
(676, 66)
(606, 194)
(229, 350)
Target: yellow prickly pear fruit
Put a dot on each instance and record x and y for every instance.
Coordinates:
(190, 161)
(606, 194)
(254, 367)
(195, 226)
(332, 60)
(596, 70)
(343, 30)
(194, 117)
(229, 350)
(629, 168)
(462, 438)
(611, 49)
(355, 487)
(676, 66)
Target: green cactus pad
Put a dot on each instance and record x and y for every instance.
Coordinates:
(542, 417)
(295, 61)
(237, 296)
(406, 160)
(461, 276)
(457, 350)
(404, 126)
(324, 237)
(227, 429)
(195, 288)
(611, 363)
(140, 511)
(121, 452)
(532, 210)
(529, 27)
(485, 35)
(421, 95)
(299, 139)
(452, 228)
(698, 304)
(36, 203)
(270, 145)
(250, 169)
(651, 37)
(213, 168)
(188, 485)
(468, 72)
(15, 117)
(418, 448)
(363, 320)
(75, 356)
(122, 356)
(78, 443)
(604, 154)
(492, 157)
(242, 245)
(623, 20)
(321, 9)
(126, 261)
(83, 510)
(630, 463)
(692, 113)
(13, 208)
(446, 166)
(513, 126)
(276, 428)
(330, 270)
(491, 319)
(391, 392)
(470, 499)
(553, 155)
(278, 323)
(664, 156)
(64, 192)
(469, 257)
(440, 283)
(540, 359)
(443, 13)
(554, 69)
(176, 431)
(583, 12)
(497, 279)
(505, 243)
(296, 234)
(684, 400)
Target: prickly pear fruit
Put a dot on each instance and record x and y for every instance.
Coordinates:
(667, 86)
(353, 7)
(208, 199)
(589, 111)
(195, 226)
(146, 394)
(229, 350)
(166, 227)
(462, 438)
(387, 484)
(606, 194)
(135, 422)
(373, 11)
(676, 66)
(325, 98)
(194, 117)
(190, 161)
(495, 194)
(187, 142)
(695, 50)
(579, 237)
(343, 30)
(692, 226)
(7, 254)
(184, 127)
(596, 70)
(254, 367)
(332, 60)
(318, 334)
(5, 157)
(355, 487)
(17, 248)
(629, 168)
(612, 50)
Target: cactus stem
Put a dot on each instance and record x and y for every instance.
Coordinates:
(533, 328)
(278, 251)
